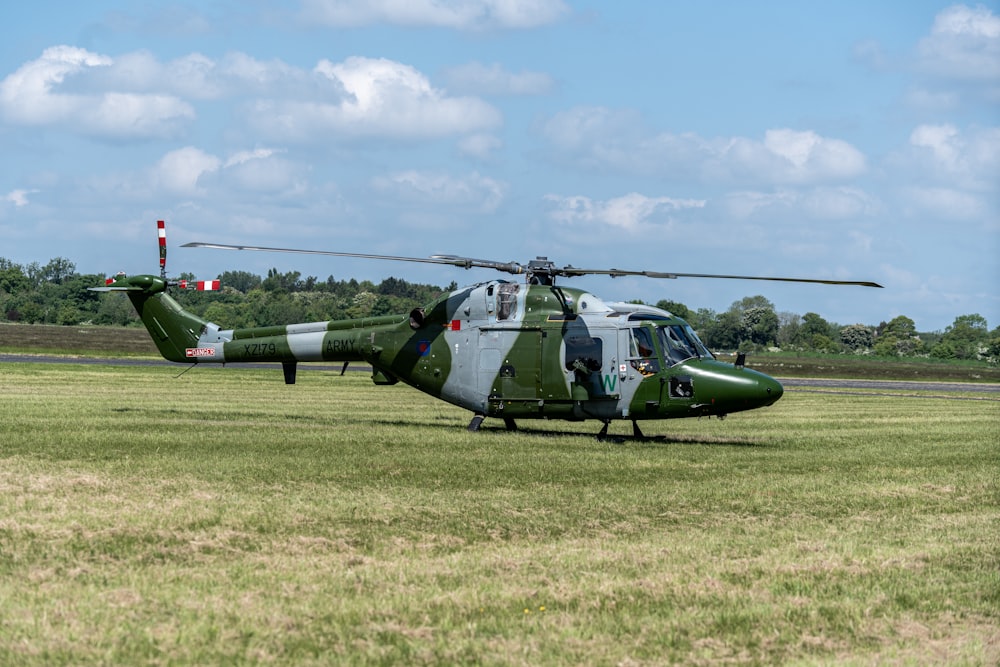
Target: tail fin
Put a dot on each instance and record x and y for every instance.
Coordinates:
(172, 328)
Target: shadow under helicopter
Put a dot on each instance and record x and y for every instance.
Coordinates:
(490, 428)
(623, 438)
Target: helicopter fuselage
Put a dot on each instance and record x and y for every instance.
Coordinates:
(499, 349)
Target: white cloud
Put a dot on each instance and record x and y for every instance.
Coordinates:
(457, 14)
(968, 159)
(496, 80)
(819, 203)
(935, 101)
(602, 138)
(18, 197)
(630, 212)
(36, 95)
(747, 204)
(812, 155)
(964, 44)
(243, 157)
(941, 141)
(946, 203)
(193, 176)
(479, 146)
(179, 171)
(383, 98)
(135, 96)
(871, 53)
(839, 203)
(198, 77)
(436, 188)
(263, 171)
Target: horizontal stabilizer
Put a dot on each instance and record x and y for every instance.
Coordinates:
(123, 288)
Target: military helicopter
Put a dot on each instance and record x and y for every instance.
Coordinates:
(500, 349)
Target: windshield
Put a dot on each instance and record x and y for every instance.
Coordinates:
(681, 343)
(693, 337)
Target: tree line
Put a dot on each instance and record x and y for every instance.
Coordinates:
(55, 293)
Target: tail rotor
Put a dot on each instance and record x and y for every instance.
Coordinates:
(123, 283)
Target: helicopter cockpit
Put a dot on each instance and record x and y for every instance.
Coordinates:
(678, 342)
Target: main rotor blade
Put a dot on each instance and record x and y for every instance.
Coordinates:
(820, 281)
(450, 260)
(615, 273)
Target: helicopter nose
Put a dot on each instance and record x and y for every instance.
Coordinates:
(770, 389)
(723, 389)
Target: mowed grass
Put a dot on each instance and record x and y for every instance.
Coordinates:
(221, 517)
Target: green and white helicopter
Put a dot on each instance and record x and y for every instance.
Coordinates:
(500, 349)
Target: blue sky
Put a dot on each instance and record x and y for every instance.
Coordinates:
(849, 140)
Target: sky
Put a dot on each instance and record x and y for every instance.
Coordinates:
(854, 140)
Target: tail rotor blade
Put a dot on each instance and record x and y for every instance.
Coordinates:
(200, 285)
(161, 231)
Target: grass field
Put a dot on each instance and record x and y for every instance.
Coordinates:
(78, 340)
(221, 517)
(135, 342)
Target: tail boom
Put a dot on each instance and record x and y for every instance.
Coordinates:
(183, 337)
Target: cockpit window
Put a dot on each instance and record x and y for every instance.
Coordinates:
(584, 353)
(507, 301)
(693, 337)
(643, 352)
(680, 343)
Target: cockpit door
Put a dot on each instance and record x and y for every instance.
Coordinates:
(640, 368)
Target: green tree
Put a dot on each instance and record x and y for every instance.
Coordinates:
(115, 309)
(241, 281)
(12, 277)
(362, 304)
(993, 347)
(675, 308)
(222, 314)
(723, 332)
(702, 319)
(788, 328)
(58, 270)
(748, 302)
(823, 343)
(67, 313)
(759, 325)
(963, 339)
(857, 337)
(813, 323)
(900, 326)
(897, 337)
(282, 282)
(815, 331)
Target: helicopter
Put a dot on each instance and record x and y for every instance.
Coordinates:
(499, 349)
